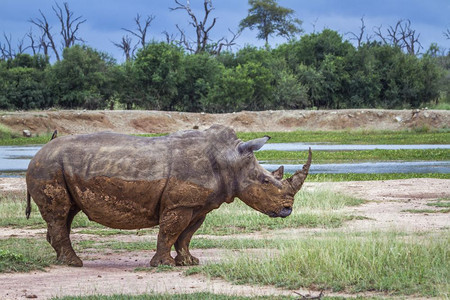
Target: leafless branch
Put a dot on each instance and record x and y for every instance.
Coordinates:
(401, 35)
(69, 25)
(43, 24)
(142, 28)
(358, 37)
(447, 34)
(33, 45)
(125, 45)
(202, 27)
(6, 48)
(304, 297)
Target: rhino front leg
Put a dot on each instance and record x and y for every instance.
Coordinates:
(172, 224)
(184, 257)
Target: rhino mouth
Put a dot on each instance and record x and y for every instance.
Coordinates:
(286, 211)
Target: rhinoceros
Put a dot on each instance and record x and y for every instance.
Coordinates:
(129, 182)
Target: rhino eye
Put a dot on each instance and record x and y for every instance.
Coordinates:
(266, 180)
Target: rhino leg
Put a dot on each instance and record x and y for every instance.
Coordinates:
(58, 212)
(184, 257)
(172, 224)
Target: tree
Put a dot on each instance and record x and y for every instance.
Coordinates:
(159, 71)
(23, 83)
(401, 35)
(69, 29)
(203, 29)
(141, 33)
(82, 79)
(269, 18)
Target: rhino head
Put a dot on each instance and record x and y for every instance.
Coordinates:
(266, 191)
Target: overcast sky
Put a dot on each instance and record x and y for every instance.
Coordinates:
(105, 18)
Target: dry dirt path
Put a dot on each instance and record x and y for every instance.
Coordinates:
(108, 272)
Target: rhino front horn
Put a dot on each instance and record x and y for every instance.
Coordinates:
(299, 177)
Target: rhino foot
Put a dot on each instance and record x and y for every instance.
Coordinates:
(186, 260)
(162, 260)
(73, 261)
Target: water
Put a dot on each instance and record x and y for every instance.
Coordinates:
(14, 160)
(371, 167)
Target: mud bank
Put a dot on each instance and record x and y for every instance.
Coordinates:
(77, 121)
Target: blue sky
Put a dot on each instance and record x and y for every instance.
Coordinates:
(105, 18)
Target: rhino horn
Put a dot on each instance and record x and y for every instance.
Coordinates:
(296, 181)
(252, 145)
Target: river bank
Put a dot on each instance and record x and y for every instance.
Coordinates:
(138, 122)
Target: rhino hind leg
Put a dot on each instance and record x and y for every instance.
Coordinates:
(184, 257)
(58, 211)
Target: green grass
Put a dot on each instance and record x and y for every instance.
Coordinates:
(440, 203)
(354, 156)
(24, 255)
(354, 137)
(380, 262)
(318, 209)
(193, 296)
(7, 139)
(335, 137)
(427, 211)
(372, 176)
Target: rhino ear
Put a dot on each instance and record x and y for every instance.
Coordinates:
(252, 145)
(278, 174)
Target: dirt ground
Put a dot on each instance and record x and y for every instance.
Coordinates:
(74, 122)
(113, 272)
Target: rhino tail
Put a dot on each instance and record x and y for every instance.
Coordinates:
(28, 209)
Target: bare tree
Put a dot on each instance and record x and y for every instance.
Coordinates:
(447, 34)
(142, 28)
(21, 48)
(360, 36)
(6, 48)
(202, 27)
(34, 47)
(401, 35)
(127, 48)
(47, 35)
(69, 29)
(69, 25)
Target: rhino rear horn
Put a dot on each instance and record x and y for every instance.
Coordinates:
(278, 174)
(252, 145)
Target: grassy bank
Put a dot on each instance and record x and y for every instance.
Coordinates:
(354, 137)
(334, 137)
(355, 156)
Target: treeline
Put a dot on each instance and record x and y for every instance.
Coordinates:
(318, 71)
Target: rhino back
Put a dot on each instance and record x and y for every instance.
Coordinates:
(126, 177)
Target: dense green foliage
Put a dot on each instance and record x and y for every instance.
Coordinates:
(319, 70)
(269, 18)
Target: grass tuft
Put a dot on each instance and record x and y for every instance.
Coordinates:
(24, 255)
(381, 262)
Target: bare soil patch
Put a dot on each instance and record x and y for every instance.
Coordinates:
(77, 121)
(111, 272)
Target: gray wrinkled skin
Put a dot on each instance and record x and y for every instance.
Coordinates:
(129, 182)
